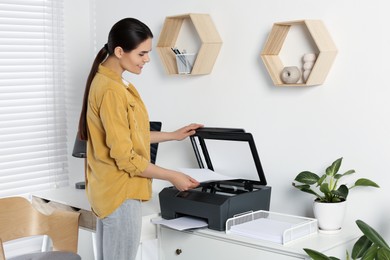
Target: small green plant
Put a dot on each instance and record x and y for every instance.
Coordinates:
(327, 187)
(369, 246)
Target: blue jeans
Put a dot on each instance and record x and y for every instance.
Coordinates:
(118, 235)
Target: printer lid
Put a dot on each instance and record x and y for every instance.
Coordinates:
(229, 151)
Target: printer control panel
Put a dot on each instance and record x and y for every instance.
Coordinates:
(230, 187)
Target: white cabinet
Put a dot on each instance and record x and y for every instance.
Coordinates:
(210, 244)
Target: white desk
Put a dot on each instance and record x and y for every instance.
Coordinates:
(72, 199)
(211, 244)
(198, 244)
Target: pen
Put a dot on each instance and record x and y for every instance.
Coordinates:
(180, 56)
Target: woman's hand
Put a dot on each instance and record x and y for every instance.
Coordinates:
(178, 135)
(180, 180)
(183, 182)
(185, 131)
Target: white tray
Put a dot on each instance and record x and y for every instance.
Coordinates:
(271, 226)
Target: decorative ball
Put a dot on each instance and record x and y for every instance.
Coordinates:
(308, 65)
(309, 57)
(290, 75)
(306, 74)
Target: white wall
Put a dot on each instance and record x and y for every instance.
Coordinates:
(79, 55)
(79, 50)
(296, 128)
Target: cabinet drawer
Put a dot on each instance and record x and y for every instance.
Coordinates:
(181, 245)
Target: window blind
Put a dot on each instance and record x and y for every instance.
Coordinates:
(33, 152)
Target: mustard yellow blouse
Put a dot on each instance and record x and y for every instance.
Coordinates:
(118, 147)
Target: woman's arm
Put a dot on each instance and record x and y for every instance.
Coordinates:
(178, 135)
(180, 180)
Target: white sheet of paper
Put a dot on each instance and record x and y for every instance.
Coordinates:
(182, 223)
(203, 175)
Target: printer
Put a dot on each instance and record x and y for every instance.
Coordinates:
(231, 152)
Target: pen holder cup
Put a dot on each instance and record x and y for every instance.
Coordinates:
(185, 62)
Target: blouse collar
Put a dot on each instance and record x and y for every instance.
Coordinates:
(118, 78)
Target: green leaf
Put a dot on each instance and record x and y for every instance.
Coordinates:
(304, 188)
(301, 186)
(307, 177)
(334, 168)
(317, 255)
(339, 176)
(349, 172)
(321, 180)
(383, 254)
(366, 182)
(370, 253)
(360, 247)
(341, 192)
(310, 191)
(372, 235)
(324, 188)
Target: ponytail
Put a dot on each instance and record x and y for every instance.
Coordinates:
(83, 128)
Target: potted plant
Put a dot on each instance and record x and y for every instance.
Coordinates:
(331, 195)
(369, 246)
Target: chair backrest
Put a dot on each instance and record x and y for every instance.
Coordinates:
(2, 256)
(154, 126)
(18, 218)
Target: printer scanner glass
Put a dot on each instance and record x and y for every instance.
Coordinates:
(232, 158)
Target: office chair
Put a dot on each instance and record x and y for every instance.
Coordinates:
(154, 126)
(18, 219)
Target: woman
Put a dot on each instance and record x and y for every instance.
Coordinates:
(115, 122)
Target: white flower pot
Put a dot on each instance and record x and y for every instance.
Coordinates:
(330, 216)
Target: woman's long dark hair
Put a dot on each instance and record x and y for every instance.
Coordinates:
(127, 33)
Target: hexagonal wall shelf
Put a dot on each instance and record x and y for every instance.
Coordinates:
(323, 41)
(209, 37)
